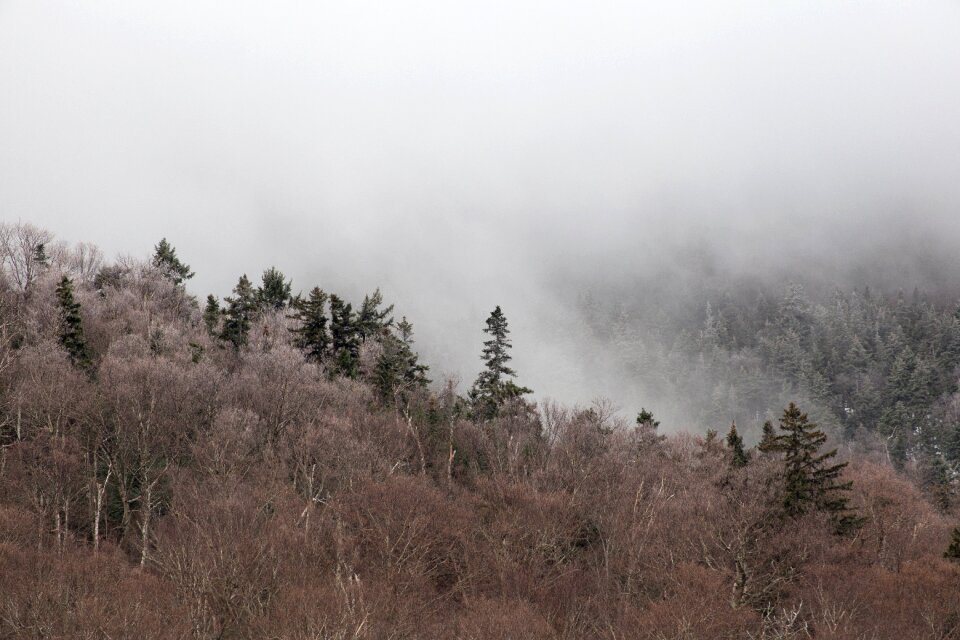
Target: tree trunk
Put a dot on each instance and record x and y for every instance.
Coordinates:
(146, 508)
(98, 507)
(416, 439)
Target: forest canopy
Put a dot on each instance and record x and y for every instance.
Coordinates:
(281, 463)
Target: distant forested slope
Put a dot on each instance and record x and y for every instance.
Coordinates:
(885, 363)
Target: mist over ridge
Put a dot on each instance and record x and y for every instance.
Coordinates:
(593, 319)
(460, 161)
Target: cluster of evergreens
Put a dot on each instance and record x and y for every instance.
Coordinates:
(867, 363)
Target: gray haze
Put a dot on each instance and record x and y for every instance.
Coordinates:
(463, 155)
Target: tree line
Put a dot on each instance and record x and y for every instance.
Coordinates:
(280, 465)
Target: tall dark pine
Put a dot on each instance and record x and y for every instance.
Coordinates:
(71, 325)
(274, 293)
(241, 308)
(344, 338)
(311, 334)
(211, 315)
(493, 387)
(371, 319)
(398, 370)
(810, 481)
(165, 258)
(738, 455)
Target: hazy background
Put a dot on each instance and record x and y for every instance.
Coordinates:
(463, 155)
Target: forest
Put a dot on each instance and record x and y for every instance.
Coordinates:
(282, 464)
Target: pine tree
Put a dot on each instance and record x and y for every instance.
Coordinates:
(274, 293)
(371, 319)
(951, 445)
(936, 480)
(768, 439)
(311, 331)
(211, 315)
(40, 255)
(738, 455)
(493, 387)
(165, 258)
(953, 551)
(71, 327)
(344, 338)
(810, 482)
(645, 418)
(241, 308)
(398, 370)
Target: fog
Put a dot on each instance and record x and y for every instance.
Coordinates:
(464, 155)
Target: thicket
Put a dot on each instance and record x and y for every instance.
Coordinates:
(281, 467)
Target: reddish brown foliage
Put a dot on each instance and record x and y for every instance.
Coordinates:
(264, 500)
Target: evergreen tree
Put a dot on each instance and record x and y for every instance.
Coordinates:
(953, 551)
(165, 258)
(768, 439)
(810, 482)
(493, 387)
(371, 319)
(71, 325)
(738, 455)
(951, 447)
(344, 338)
(211, 315)
(645, 418)
(311, 331)
(274, 293)
(40, 255)
(936, 480)
(241, 308)
(398, 369)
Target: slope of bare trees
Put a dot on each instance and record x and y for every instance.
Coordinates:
(182, 489)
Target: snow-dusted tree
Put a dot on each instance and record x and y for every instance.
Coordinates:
(274, 292)
(165, 258)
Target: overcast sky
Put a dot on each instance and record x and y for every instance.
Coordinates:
(459, 154)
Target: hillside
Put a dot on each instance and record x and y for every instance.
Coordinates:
(280, 465)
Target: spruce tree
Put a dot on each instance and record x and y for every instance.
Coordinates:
(211, 315)
(809, 481)
(311, 335)
(274, 293)
(371, 319)
(951, 446)
(165, 258)
(493, 387)
(738, 455)
(768, 439)
(398, 370)
(40, 255)
(241, 308)
(936, 480)
(645, 418)
(953, 550)
(344, 338)
(71, 325)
